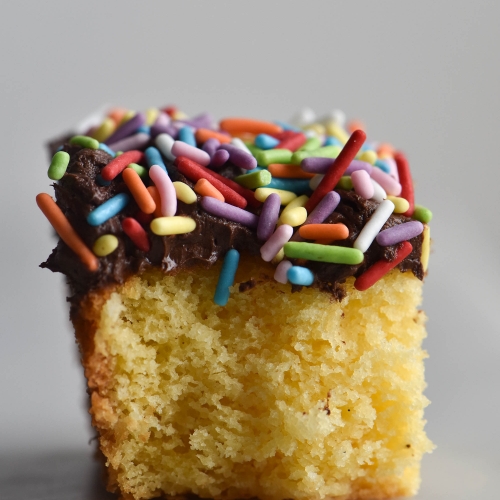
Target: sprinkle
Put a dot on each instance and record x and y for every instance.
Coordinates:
(162, 120)
(337, 169)
(136, 233)
(180, 148)
(164, 143)
(278, 257)
(280, 275)
(401, 205)
(324, 253)
(58, 165)
(335, 130)
(332, 141)
(210, 146)
(288, 171)
(325, 152)
(381, 268)
(105, 244)
(138, 190)
(144, 130)
(422, 214)
(166, 190)
(255, 179)
(205, 188)
(382, 165)
(194, 172)
(299, 275)
(108, 209)
(300, 201)
(219, 159)
(186, 135)
(136, 141)
(311, 144)
(184, 193)
(268, 216)
(373, 226)
(399, 233)
(231, 212)
(66, 232)
(276, 241)
(390, 185)
(297, 186)
(151, 116)
(345, 183)
(155, 194)
(238, 143)
(406, 181)
(426, 248)
(236, 126)
(337, 231)
(265, 158)
(239, 157)
(153, 157)
(127, 128)
(265, 141)
(226, 277)
(321, 165)
(315, 181)
(294, 217)
(99, 180)
(286, 197)
(362, 184)
(107, 149)
(118, 164)
(84, 141)
(141, 171)
(369, 156)
(117, 114)
(292, 142)
(203, 135)
(167, 226)
(379, 193)
(105, 129)
(158, 129)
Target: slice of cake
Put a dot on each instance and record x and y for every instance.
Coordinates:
(245, 297)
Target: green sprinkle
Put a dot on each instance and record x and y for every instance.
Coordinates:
(345, 183)
(311, 144)
(273, 156)
(254, 180)
(323, 253)
(422, 214)
(253, 148)
(142, 172)
(324, 152)
(58, 165)
(84, 141)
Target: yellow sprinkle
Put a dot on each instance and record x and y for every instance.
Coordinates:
(317, 128)
(286, 197)
(294, 217)
(163, 226)
(369, 156)
(105, 129)
(426, 248)
(278, 257)
(179, 115)
(105, 244)
(184, 192)
(335, 130)
(128, 116)
(151, 116)
(401, 204)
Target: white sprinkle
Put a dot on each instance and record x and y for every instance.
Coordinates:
(374, 225)
(238, 143)
(280, 275)
(379, 193)
(164, 142)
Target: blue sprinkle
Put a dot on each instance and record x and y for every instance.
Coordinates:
(101, 181)
(297, 186)
(153, 157)
(186, 135)
(332, 141)
(226, 277)
(108, 209)
(264, 141)
(104, 147)
(300, 276)
(287, 126)
(383, 166)
(143, 129)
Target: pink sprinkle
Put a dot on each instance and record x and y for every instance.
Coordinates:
(180, 148)
(165, 189)
(163, 119)
(280, 275)
(391, 186)
(275, 243)
(362, 184)
(136, 141)
(391, 163)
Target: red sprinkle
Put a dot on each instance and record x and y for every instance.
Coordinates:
(381, 268)
(337, 169)
(194, 171)
(406, 181)
(136, 233)
(118, 164)
(292, 142)
(248, 194)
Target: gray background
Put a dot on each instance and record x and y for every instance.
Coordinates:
(422, 75)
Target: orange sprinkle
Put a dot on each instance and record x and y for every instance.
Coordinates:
(153, 191)
(138, 190)
(242, 125)
(385, 150)
(324, 231)
(65, 230)
(117, 114)
(203, 134)
(205, 188)
(356, 125)
(285, 170)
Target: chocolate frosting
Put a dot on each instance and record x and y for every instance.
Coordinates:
(77, 193)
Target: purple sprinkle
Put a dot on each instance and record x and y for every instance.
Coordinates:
(239, 157)
(219, 159)
(158, 129)
(358, 165)
(211, 146)
(321, 165)
(162, 120)
(205, 120)
(399, 233)
(128, 128)
(221, 209)
(136, 141)
(268, 217)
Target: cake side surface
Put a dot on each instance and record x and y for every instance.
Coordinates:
(277, 395)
